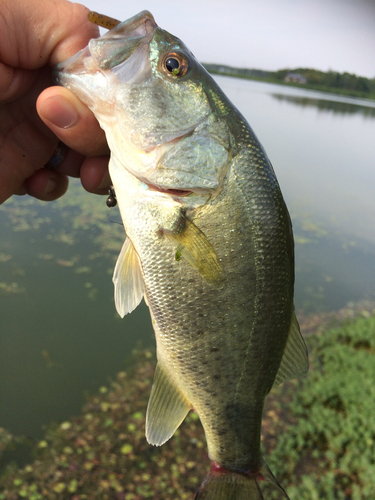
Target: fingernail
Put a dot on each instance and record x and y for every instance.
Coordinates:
(59, 112)
(105, 183)
(51, 185)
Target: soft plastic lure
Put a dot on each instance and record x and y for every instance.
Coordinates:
(102, 20)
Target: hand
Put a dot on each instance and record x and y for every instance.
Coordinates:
(34, 36)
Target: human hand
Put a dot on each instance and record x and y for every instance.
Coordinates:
(34, 36)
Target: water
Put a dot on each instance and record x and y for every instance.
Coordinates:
(60, 334)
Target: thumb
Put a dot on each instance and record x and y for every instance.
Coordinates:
(40, 32)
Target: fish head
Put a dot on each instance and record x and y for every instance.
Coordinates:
(120, 55)
(154, 101)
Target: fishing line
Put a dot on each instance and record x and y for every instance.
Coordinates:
(111, 203)
(114, 221)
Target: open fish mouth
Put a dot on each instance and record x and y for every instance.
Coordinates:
(172, 192)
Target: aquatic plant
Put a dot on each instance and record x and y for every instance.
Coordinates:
(330, 447)
(319, 433)
(103, 454)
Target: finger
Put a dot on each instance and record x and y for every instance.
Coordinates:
(94, 175)
(35, 33)
(71, 121)
(46, 185)
(70, 165)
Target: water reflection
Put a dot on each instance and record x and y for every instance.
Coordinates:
(339, 107)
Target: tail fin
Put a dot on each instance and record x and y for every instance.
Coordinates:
(221, 484)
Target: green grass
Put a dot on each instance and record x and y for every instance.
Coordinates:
(318, 435)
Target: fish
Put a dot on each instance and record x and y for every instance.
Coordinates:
(209, 244)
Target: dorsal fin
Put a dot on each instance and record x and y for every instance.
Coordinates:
(128, 280)
(166, 408)
(294, 362)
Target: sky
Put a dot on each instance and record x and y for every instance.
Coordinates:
(336, 35)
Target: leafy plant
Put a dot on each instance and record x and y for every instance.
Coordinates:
(331, 444)
(319, 435)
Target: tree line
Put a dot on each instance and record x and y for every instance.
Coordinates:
(347, 83)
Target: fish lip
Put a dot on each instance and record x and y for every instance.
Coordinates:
(131, 27)
(177, 193)
(140, 27)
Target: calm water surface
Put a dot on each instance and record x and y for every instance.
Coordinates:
(60, 334)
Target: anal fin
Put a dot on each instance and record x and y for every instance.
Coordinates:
(294, 362)
(128, 280)
(166, 410)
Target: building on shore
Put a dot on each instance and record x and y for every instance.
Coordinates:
(296, 78)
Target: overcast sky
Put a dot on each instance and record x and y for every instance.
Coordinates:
(266, 34)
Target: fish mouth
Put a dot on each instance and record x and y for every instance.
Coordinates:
(103, 54)
(178, 193)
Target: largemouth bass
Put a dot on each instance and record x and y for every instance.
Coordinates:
(208, 244)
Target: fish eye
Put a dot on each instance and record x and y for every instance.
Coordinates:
(175, 64)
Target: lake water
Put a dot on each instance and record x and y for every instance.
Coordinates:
(60, 334)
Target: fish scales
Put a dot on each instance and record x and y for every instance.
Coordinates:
(209, 244)
(203, 330)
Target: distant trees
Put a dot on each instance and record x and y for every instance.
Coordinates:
(347, 83)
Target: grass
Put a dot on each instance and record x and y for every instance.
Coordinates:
(318, 433)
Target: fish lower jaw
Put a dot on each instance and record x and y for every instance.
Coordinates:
(179, 193)
(190, 198)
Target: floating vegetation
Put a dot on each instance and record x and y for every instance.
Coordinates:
(4, 257)
(103, 453)
(67, 263)
(12, 288)
(83, 270)
(47, 357)
(45, 256)
(92, 291)
(308, 230)
(6, 438)
(77, 213)
(24, 216)
(63, 237)
(318, 433)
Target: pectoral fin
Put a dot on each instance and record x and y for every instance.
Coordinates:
(166, 408)
(194, 246)
(128, 280)
(294, 362)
